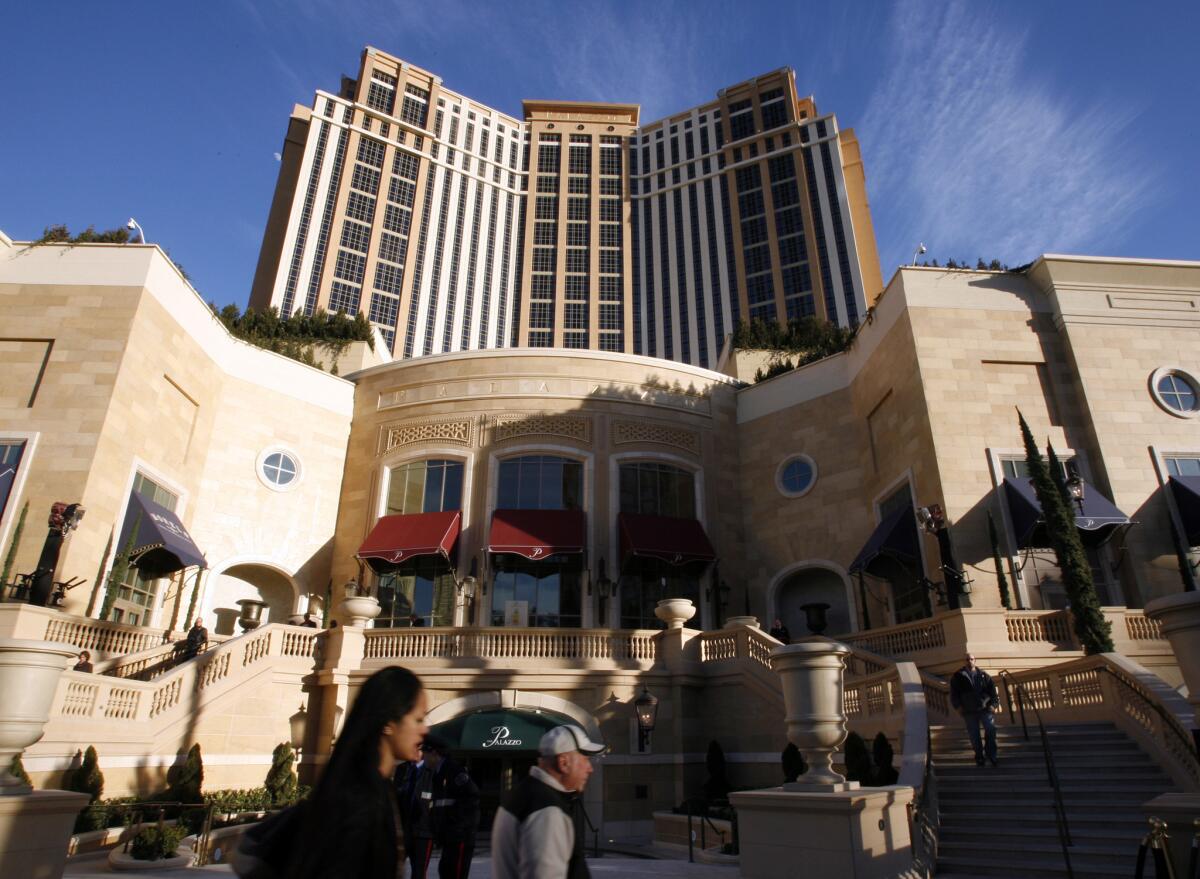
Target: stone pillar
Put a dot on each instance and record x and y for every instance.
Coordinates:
(34, 831)
(811, 672)
(343, 655)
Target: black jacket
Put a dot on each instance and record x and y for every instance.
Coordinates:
(973, 692)
(538, 832)
(454, 814)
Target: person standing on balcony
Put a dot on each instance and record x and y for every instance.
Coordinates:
(973, 695)
(538, 831)
(85, 663)
(780, 632)
(197, 639)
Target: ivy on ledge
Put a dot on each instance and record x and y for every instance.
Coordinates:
(808, 339)
(299, 335)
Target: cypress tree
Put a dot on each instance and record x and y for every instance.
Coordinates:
(119, 570)
(191, 611)
(189, 779)
(1001, 580)
(11, 555)
(87, 779)
(99, 574)
(858, 759)
(793, 763)
(1092, 629)
(281, 781)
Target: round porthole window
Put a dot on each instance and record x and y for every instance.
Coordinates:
(279, 469)
(796, 476)
(1176, 391)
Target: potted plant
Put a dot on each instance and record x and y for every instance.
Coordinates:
(359, 606)
(154, 847)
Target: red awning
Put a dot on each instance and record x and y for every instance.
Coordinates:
(537, 534)
(674, 541)
(396, 539)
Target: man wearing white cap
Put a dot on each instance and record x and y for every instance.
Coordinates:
(537, 833)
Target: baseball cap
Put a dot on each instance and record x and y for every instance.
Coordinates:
(567, 738)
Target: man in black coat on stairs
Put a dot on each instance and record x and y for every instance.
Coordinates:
(973, 694)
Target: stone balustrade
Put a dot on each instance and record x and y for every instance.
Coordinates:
(1114, 689)
(420, 646)
(102, 638)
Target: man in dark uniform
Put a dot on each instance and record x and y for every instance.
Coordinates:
(414, 792)
(454, 815)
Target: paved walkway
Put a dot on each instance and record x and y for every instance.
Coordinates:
(481, 868)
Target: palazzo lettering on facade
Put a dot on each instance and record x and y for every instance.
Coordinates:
(502, 738)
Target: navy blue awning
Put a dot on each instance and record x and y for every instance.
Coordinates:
(162, 545)
(896, 537)
(1099, 519)
(1187, 499)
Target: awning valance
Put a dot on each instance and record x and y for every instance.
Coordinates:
(667, 538)
(162, 545)
(1099, 519)
(895, 537)
(537, 534)
(396, 539)
(498, 731)
(1186, 490)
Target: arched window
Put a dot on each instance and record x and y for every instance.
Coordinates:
(431, 486)
(540, 482)
(655, 489)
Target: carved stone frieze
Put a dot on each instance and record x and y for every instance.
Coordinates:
(625, 432)
(456, 431)
(511, 426)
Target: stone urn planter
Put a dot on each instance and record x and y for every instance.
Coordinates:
(358, 610)
(29, 673)
(251, 615)
(675, 611)
(1179, 618)
(811, 673)
(741, 622)
(121, 862)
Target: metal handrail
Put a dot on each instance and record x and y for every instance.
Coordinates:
(1060, 810)
(591, 827)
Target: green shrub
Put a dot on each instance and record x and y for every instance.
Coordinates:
(188, 781)
(281, 780)
(87, 779)
(17, 768)
(255, 799)
(881, 750)
(793, 763)
(156, 842)
(716, 786)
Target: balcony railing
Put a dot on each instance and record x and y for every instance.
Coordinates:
(415, 645)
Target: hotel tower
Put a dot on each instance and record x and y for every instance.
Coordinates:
(453, 226)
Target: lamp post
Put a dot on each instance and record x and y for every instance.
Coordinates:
(299, 725)
(933, 520)
(133, 225)
(1075, 488)
(646, 706)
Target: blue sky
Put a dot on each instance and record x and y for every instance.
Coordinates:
(988, 129)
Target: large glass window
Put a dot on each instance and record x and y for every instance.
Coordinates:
(420, 592)
(10, 462)
(645, 582)
(1183, 466)
(657, 490)
(540, 482)
(425, 487)
(541, 593)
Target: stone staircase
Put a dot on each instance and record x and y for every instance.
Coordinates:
(1000, 821)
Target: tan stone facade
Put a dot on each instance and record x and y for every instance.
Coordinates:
(116, 367)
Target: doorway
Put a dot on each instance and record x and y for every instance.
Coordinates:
(495, 776)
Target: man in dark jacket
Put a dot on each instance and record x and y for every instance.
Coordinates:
(538, 832)
(973, 694)
(454, 813)
(415, 795)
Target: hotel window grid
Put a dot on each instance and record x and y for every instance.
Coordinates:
(344, 298)
(665, 275)
(839, 234)
(356, 236)
(432, 486)
(486, 300)
(397, 219)
(685, 339)
(322, 244)
(654, 489)
(578, 208)
(575, 287)
(540, 482)
(380, 97)
(819, 234)
(455, 263)
(698, 276)
(310, 196)
(414, 297)
(773, 109)
(579, 185)
(741, 120)
(360, 207)
(371, 152)
(547, 183)
(545, 233)
(415, 107)
(365, 179)
(435, 266)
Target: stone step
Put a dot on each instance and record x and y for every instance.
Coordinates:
(1040, 813)
(1094, 833)
(1083, 853)
(984, 864)
(1036, 770)
(988, 786)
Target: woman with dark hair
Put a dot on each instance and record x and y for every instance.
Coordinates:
(350, 827)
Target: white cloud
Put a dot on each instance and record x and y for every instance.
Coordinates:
(967, 150)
